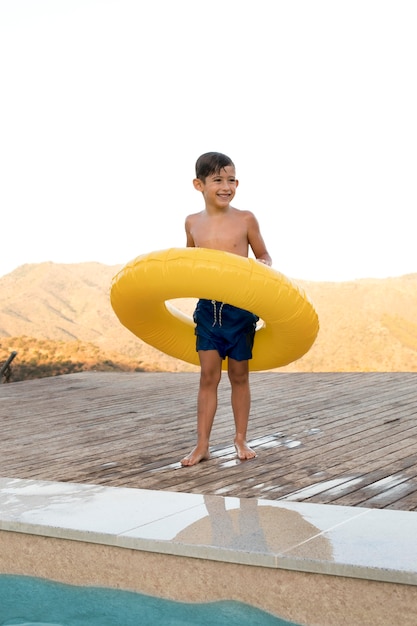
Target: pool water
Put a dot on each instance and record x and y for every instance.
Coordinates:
(27, 601)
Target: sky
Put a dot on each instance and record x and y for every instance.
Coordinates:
(106, 104)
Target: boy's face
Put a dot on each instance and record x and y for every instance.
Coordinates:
(219, 188)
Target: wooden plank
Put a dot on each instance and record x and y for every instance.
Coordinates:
(335, 438)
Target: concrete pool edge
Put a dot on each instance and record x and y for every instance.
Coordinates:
(209, 553)
(39, 537)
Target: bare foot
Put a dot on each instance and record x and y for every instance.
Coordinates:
(195, 456)
(244, 452)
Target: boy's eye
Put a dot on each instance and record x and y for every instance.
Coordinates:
(219, 180)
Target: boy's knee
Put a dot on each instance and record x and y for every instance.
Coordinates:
(238, 378)
(209, 378)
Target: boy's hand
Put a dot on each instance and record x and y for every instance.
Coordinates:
(264, 261)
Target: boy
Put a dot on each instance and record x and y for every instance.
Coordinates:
(221, 329)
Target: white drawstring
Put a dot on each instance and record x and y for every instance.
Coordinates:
(214, 302)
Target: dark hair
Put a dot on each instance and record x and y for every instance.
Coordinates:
(211, 163)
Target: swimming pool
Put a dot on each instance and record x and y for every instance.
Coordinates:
(28, 601)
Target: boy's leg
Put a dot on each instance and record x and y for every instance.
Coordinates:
(239, 379)
(211, 371)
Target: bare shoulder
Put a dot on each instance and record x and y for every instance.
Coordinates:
(248, 216)
(193, 217)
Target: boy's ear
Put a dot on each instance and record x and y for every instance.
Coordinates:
(198, 184)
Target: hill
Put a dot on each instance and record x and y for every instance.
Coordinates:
(365, 325)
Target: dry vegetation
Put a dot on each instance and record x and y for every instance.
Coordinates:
(37, 358)
(58, 319)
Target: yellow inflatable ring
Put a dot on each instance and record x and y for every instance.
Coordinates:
(140, 291)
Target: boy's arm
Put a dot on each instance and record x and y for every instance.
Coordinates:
(256, 241)
(190, 241)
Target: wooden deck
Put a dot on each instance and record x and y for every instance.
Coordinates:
(338, 438)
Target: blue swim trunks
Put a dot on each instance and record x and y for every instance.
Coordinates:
(225, 328)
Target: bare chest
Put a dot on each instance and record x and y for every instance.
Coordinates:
(221, 233)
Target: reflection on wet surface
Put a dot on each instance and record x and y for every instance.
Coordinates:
(265, 442)
(237, 523)
(326, 485)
